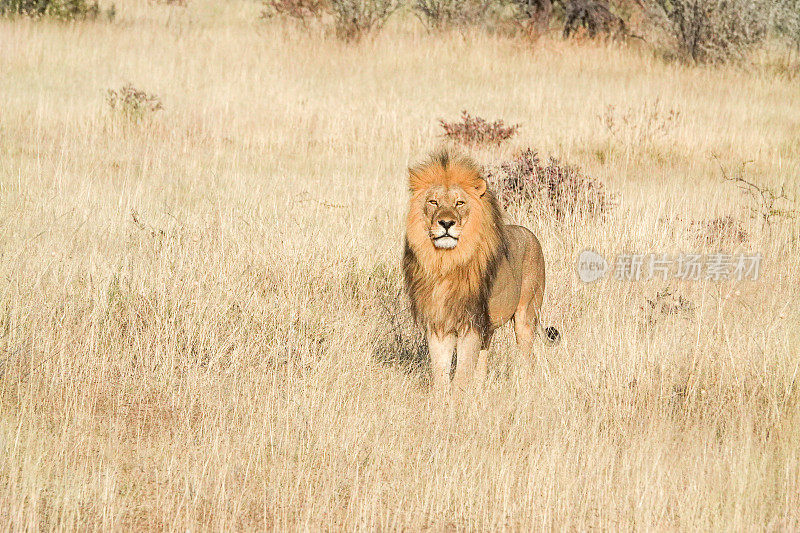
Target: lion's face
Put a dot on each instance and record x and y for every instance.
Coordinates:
(446, 210)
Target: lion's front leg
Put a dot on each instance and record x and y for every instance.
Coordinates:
(481, 369)
(441, 349)
(467, 348)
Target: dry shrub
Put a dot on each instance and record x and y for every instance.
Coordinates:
(350, 19)
(649, 121)
(562, 189)
(133, 103)
(302, 11)
(439, 14)
(593, 16)
(353, 19)
(786, 20)
(533, 16)
(474, 131)
(666, 303)
(720, 231)
(767, 203)
(707, 31)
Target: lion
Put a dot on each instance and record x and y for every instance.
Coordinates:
(467, 272)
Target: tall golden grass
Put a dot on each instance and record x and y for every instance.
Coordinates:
(200, 310)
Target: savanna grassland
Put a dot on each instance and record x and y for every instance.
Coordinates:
(202, 321)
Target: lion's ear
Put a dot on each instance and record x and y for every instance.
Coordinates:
(480, 187)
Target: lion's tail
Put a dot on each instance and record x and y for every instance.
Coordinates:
(549, 335)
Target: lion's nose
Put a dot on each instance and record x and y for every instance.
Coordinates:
(447, 224)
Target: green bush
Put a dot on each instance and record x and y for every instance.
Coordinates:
(60, 9)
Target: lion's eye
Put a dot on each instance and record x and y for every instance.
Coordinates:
(459, 203)
(433, 202)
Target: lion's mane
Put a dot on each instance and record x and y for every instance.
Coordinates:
(449, 289)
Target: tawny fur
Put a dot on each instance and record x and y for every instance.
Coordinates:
(483, 274)
(449, 289)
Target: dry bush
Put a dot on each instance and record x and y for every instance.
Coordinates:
(710, 30)
(720, 231)
(472, 131)
(562, 189)
(353, 19)
(666, 303)
(593, 16)
(133, 103)
(649, 121)
(439, 14)
(767, 203)
(589, 17)
(350, 20)
(302, 11)
(532, 17)
(786, 20)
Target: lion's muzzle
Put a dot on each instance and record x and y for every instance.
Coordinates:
(444, 233)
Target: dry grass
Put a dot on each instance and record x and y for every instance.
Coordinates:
(192, 305)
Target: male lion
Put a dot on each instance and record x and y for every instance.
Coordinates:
(466, 272)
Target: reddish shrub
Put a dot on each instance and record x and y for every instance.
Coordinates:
(562, 189)
(476, 130)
